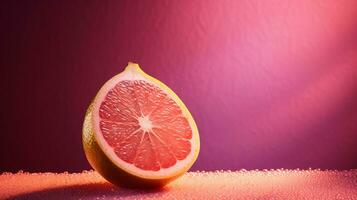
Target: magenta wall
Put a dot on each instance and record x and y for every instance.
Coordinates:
(271, 84)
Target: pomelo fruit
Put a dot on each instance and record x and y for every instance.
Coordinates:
(138, 133)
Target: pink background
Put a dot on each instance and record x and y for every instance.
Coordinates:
(271, 84)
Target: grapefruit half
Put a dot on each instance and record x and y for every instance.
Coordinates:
(138, 133)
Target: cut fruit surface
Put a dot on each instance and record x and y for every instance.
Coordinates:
(139, 130)
(144, 126)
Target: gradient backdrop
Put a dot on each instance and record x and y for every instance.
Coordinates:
(271, 84)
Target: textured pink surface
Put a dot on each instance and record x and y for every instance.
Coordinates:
(270, 83)
(278, 184)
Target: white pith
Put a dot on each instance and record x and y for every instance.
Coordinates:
(145, 123)
(131, 73)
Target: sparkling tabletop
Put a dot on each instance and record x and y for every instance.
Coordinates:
(265, 184)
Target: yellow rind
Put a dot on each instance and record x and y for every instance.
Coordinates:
(113, 173)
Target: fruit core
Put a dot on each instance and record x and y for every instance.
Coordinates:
(145, 123)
